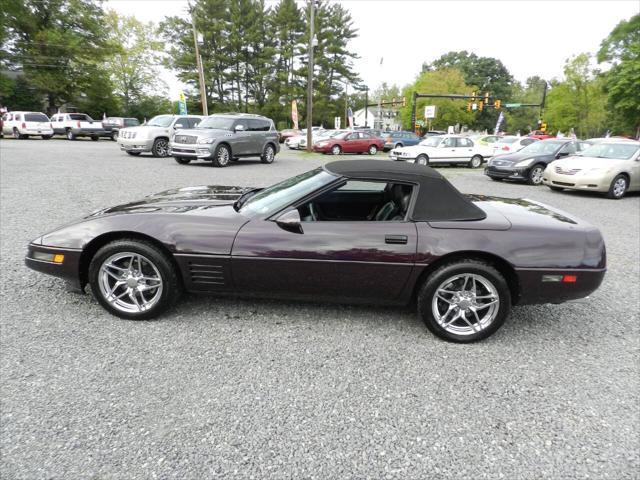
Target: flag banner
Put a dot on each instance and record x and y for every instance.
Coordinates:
(182, 104)
(294, 114)
(499, 122)
(350, 117)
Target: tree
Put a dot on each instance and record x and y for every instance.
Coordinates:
(449, 112)
(484, 74)
(579, 100)
(59, 44)
(133, 63)
(622, 82)
(525, 119)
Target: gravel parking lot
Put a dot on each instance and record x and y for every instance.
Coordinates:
(270, 389)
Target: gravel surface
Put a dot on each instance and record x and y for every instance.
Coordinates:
(264, 389)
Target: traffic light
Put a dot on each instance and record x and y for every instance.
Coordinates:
(497, 104)
(543, 127)
(473, 95)
(393, 102)
(486, 98)
(404, 101)
(480, 105)
(469, 107)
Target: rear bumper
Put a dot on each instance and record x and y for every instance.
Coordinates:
(89, 132)
(535, 287)
(68, 270)
(36, 131)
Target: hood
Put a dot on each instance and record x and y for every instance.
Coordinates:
(510, 158)
(578, 162)
(205, 132)
(180, 200)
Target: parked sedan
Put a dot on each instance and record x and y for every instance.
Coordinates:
(444, 150)
(511, 144)
(611, 167)
(364, 231)
(528, 164)
(288, 133)
(400, 139)
(350, 142)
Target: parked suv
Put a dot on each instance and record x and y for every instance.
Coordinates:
(113, 125)
(24, 124)
(224, 137)
(154, 135)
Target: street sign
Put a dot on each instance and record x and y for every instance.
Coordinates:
(512, 105)
(430, 111)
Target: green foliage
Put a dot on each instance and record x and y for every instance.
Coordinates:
(579, 101)
(622, 82)
(449, 112)
(524, 119)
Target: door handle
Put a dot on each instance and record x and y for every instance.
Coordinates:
(396, 239)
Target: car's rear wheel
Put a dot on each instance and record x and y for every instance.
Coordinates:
(222, 156)
(134, 154)
(269, 154)
(160, 147)
(95, 139)
(475, 161)
(114, 135)
(535, 175)
(182, 160)
(373, 150)
(464, 301)
(70, 135)
(17, 134)
(336, 150)
(618, 187)
(133, 279)
(422, 159)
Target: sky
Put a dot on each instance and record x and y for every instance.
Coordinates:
(529, 37)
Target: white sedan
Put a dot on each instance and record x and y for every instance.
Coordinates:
(511, 144)
(444, 150)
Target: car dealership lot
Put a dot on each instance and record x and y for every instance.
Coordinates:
(241, 388)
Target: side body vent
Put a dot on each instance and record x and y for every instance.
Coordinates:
(204, 273)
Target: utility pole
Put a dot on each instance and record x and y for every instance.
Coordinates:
(203, 91)
(346, 106)
(366, 104)
(310, 78)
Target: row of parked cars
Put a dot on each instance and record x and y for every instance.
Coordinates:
(23, 125)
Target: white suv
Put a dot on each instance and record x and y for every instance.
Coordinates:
(25, 124)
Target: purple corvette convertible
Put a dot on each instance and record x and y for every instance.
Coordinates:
(354, 231)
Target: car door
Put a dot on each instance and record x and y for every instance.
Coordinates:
(464, 149)
(241, 138)
(350, 144)
(257, 129)
(363, 260)
(445, 151)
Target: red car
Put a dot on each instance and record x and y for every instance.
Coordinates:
(540, 135)
(350, 142)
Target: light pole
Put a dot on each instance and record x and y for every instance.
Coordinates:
(312, 43)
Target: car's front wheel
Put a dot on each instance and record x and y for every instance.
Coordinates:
(133, 279)
(373, 150)
(222, 156)
(475, 161)
(464, 301)
(114, 135)
(269, 154)
(182, 160)
(336, 150)
(160, 147)
(535, 175)
(95, 139)
(618, 187)
(17, 134)
(422, 160)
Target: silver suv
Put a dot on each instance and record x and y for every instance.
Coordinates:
(224, 137)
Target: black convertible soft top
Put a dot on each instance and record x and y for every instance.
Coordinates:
(437, 200)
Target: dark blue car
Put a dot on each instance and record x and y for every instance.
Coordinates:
(399, 139)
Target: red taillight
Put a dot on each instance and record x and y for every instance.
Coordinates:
(570, 279)
(24, 125)
(505, 148)
(78, 123)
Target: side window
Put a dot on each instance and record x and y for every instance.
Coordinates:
(568, 149)
(527, 141)
(17, 117)
(193, 122)
(463, 142)
(181, 123)
(583, 145)
(242, 122)
(352, 136)
(360, 201)
(448, 142)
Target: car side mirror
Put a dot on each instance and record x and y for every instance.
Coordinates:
(290, 221)
(179, 125)
(238, 128)
(562, 154)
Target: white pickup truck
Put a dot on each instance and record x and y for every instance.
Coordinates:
(75, 125)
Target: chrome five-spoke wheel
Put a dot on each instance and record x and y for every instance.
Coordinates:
(130, 282)
(465, 304)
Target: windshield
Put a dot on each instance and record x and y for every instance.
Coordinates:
(36, 117)
(611, 151)
(217, 122)
(541, 148)
(80, 116)
(431, 142)
(160, 121)
(281, 194)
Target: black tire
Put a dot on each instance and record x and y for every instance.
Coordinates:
(182, 160)
(475, 162)
(373, 150)
(160, 148)
(268, 154)
(70, 135)
(222, 156)
(556, 189)
(618, 187)
(398, 145)
(422, 159)
(17, 135)
(134, 154)
(336, 150)
(47, 137)
(496, 179)
(535, 174)
(95, 139)
(171, 285)
(439, 277)
(114, 136)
